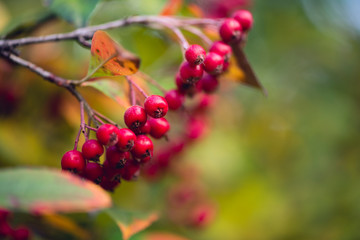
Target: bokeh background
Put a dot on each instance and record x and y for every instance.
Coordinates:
(285, 166)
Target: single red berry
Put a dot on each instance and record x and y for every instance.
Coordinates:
(181, 86)
(143, 130)
(190, 73)
(196, 127)
(126, 139)
(156, 106)
(135, 117)
(92, 150)
(209, 83)
(116, 158)
(130, 171)
(143, 149)
(195, 54)
(245, 18)
(175, 99)
(4, 214)
(109, 184)
(107, 134)
(222, 49)
(213, 63)
(73, 161)
(21, 233)
(159, 127)
(5, 229)
(93, 171)
(230, 30)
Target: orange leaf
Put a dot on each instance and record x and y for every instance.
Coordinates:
(131, 222)
(108, 58)
(171, 7)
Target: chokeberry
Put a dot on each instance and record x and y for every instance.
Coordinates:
(209, 83)
(116, 158)
(213, 63)
(156, 106)
(107, 134)
(230, 30)
(245, 18)
(93, 171)
(20, 233)
(159, 127)
(135, 117)
(126, 139)
(130, 171)
(73, 161)
(143, 149)
(175, 99)
(195, 54)
(190, 73)
(92, 150)
(222, 49)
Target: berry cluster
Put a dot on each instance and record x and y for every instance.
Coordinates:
(126, 149)
(19, 233)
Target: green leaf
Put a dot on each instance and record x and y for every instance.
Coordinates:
(43, 190)
(111, 87)
(74, 11)
(131, 222)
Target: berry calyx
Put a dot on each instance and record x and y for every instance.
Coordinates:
(116, 158)
(175, 99)
(209, 83)
(195, 54)
(230, 30)
(222, 49)
(92, 150)
(143, 149)
(73, 161)
(135, 117)
(190, 73)
(156, 106)
(181, 86)
(159, 127)
(93, 172)
(126, 139)
(107, 134)
(245, 18)
(213, 63)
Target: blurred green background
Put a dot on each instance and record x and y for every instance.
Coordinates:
(285, 166)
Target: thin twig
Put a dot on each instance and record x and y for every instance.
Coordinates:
(152, 81)
(137, 86)
(199, 33)
(105, 118)
(91, 128)
(131, 93)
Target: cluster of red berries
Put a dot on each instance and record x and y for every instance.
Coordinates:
(19, 233)
(126, 148)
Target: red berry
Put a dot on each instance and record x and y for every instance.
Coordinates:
(5, 229)
(4, 214)
(21, 233)
(175, 99)
(230, 30)
(109, 184)
(107, 134)
(135, 117)
(213, 63)
(126, 139)
(181, 86)
(156, 106)
(196, 127)
(143, 130)
(195, 54)
(143, 149)
(159, 127)
(209, 83)
(245, 19)
(130, 171)
(116, 158)
(112, 174)
(190, 73)
(93, 171)
(92, 150)
(73, 161)
(222, 49)
(201, 215)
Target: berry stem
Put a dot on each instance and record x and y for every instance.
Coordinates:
(82, 119)
(131, 93)
(105, 118)
(88, 130)
(137, 86)
(98, 119)
(198, 33)
(91, 128)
